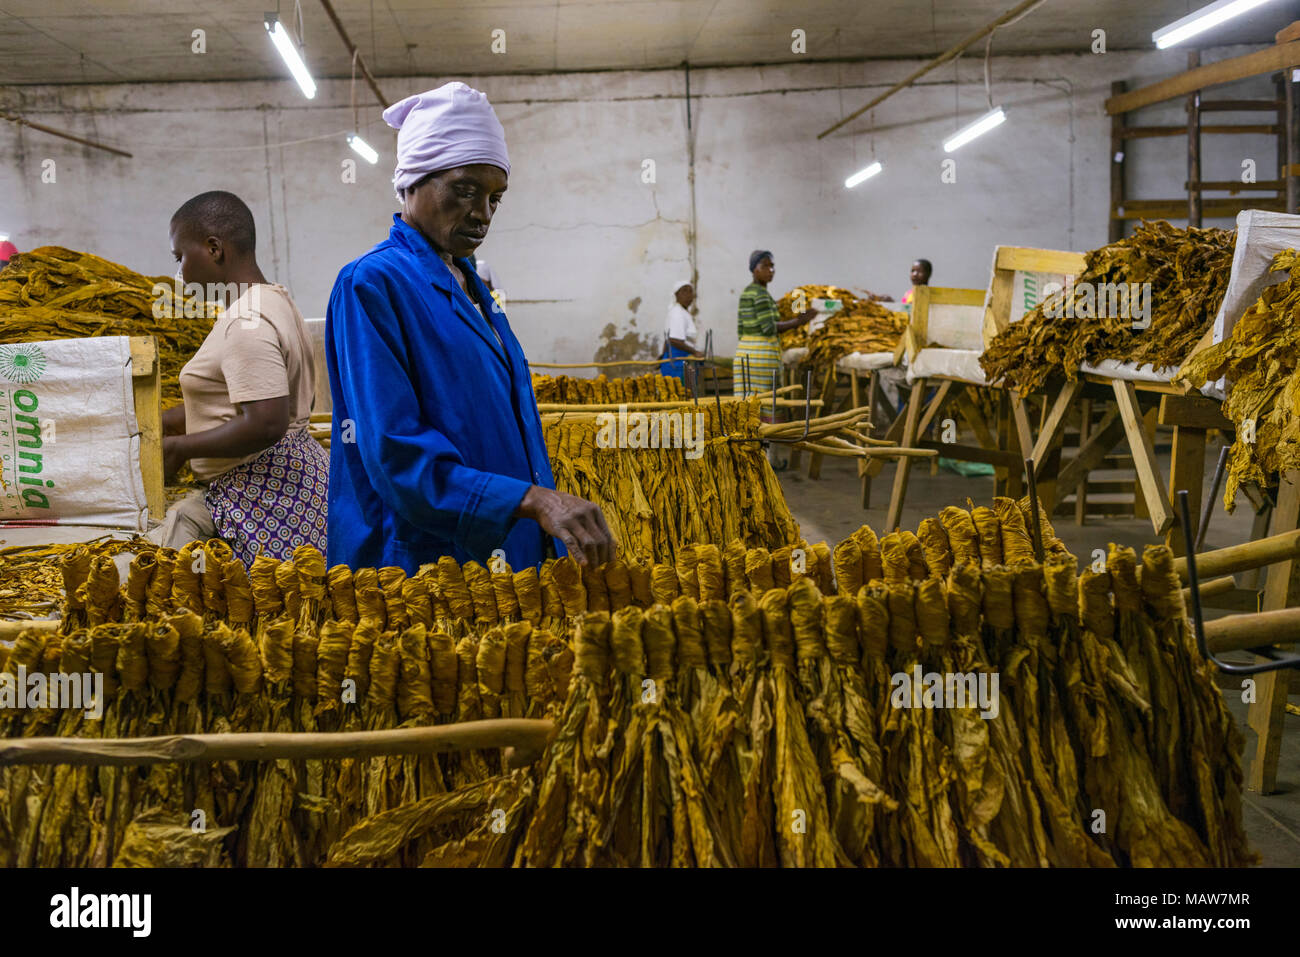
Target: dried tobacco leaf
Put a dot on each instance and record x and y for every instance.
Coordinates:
(1187, 270)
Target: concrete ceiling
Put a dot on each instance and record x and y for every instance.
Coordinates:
(132, 41)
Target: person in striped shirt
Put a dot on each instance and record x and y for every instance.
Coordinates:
(758, 353)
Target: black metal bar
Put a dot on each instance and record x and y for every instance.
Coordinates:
(1276, 662)
(1214, 494)
(1035, 525)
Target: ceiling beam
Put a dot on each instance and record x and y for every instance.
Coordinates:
(354, 53)
(949, 54)
(1269, 60)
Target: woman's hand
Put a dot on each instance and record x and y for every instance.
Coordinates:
(579, 524)
(174, 455)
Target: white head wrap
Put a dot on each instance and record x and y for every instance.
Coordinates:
(678, 288)
(453, 125)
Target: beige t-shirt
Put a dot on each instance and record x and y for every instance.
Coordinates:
(258, 349)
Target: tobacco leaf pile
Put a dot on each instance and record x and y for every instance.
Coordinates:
(602, 390)
(659, 500)
(739, 707)
(57, 293)
(1261, 361)
(1188, 270)
(860, 325)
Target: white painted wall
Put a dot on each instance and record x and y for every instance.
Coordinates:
(581, 241)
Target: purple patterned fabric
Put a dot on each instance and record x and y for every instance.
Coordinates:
(276, 502)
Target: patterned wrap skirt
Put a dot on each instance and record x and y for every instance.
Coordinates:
(764, 355)
(276, 502)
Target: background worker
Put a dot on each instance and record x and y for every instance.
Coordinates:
(920, 276)
(680, 335)
(248, 394)
(759, 326)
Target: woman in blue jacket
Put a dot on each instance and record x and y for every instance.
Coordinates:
(437, 446)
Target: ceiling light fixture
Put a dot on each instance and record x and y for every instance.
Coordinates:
(863, 175)
(1201, 20)
(289, 53)
(362, 148)
(993, 118)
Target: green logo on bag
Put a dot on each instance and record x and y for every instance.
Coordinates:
(24, 363)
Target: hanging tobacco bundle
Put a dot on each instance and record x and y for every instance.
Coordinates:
(1259, 361)
(659, 501)
(698, 725)
(604, 390)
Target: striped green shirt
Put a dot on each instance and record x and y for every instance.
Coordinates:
(758, 314)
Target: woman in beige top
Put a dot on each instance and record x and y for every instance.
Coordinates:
(247, 398)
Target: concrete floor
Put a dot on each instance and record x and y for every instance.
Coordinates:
(829, 509)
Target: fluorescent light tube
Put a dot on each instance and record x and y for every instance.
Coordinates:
(1201, 20)
(289, 53)
(863, 175)
(993, 118)
(362, 148)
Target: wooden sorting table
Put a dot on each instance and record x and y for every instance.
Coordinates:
(996, 443)
(1138, 407)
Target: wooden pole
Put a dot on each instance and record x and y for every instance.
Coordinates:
(1216, 586)
(1117, 155)
(9, 630)
(40, 127)
(938, 61)
(1241, 558)
(1194, 147)
(1256, 630)
(523, 734)
(352, 51)
(1288, 173)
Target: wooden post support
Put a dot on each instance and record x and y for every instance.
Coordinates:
(1117, 156)
(1092, 453)
(1149, 418)
(1268, 711)
(1081, 491)
(1186, 471)
(1049, 438)
(146, 389)
(1287, 173)
(866, 472)
(895, 514)
(1194, 147)
(1144, 456)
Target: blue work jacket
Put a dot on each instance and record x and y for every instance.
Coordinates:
(436, 435)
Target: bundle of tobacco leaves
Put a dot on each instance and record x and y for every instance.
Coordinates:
(930, 699)
(1104, 314)
(1259, 361)
(32, 582)
(860, 325)
(705, 478)
(602, 390)
(57, 293)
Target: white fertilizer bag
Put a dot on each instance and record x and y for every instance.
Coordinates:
(69, 443)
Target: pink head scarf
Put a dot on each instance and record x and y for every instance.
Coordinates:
(453, 125)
